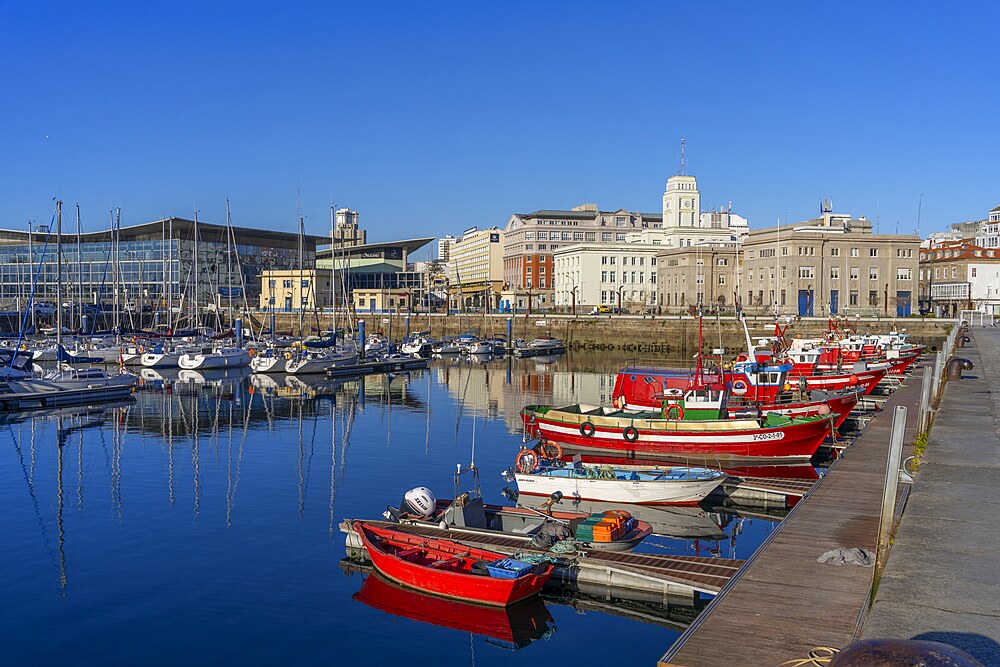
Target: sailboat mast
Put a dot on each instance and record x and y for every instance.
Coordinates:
(196, 274)
(31, 252)
(115, 222)
(79, 266)
(333, 266)
(59, 312)
(170, 275)
(301, 231)
(229, 261)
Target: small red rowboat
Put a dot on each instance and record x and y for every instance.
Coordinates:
(450, 569)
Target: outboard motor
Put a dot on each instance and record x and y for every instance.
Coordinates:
(419, 501)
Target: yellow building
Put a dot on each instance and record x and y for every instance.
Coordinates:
(291, 289)
(382, 300)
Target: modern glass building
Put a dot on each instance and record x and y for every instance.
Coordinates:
(147, 265)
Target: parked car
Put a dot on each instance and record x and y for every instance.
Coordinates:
(44, 308)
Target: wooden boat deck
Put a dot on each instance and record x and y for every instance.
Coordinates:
(783, 602)
(707, 575)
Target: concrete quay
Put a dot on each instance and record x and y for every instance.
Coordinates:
(942, 580)
(671, 334)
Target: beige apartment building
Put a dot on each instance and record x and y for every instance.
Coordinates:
(531, 238)
(833, 264)
(475, 269)
(705, 274)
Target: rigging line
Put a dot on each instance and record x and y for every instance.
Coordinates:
(31, 297)
(34, 498)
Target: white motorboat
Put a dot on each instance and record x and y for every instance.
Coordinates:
(161, 357)
(418, 345)
(673, 485)
(228, 357)
(318, 362)
(268, 361)
(67, 386)
(375, 346)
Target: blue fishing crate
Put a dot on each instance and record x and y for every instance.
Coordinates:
(508, 568)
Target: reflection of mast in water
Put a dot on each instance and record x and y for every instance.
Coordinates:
(79, 473)
(231, 488)
(346, 427)
(30, 483)
(169, 412)
(305, 467)
(60, 444)
(195, 453)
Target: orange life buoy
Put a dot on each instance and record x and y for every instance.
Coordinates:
(527, 460)
(252, 352)
(739, 387)
(548, 449)
(670, 408)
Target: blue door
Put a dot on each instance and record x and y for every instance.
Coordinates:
(805, 303)
(903, 304)
(371, 305)
(288, 304)
(834, 301)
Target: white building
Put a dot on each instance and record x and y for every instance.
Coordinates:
(685, 225)
(989, 230)
(613, 275)
(444, 247)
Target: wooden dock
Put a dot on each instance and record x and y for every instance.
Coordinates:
(784, 602)
(665, 574)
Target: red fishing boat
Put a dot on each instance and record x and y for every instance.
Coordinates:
(688, 425)
(448, 568)
(514, 627)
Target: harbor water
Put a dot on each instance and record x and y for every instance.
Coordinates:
(199, 523)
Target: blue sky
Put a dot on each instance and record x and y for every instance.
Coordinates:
(432, 117)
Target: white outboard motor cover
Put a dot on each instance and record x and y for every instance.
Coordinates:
(419, 502)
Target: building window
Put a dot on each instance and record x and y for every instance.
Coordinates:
(620, 221)
(973, 274)
(591, 236)
(834, 252)
(722, 261)
(907, 274)
(620, 236)
(528, 270)
(272, 283)
(784, 250)
(854, 252)
(782, 297)
(806, 272)
(855, 273)
(835, 273)
(604, 276)
(853, 298)
(872, 273)
(286, 283)
(722, 279)
(606, 237)
(873, 252)
(577, 236)
(954, 272)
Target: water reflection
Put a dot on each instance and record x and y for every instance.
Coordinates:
(234, 486)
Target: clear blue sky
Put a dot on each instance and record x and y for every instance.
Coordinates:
(431, 117)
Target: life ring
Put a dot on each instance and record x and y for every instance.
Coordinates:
(252, 352)
(587, 429)
(288, 355)
(630, 433)
(739, 387)
(527, 461)
(670, 408)
(548, 449)
(142, 349)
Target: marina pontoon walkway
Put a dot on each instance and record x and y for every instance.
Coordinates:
(941, 581)
(784, 602)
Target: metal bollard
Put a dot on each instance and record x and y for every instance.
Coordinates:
(955, 367)
(889, 652)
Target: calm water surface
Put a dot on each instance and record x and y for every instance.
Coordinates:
(200, 524)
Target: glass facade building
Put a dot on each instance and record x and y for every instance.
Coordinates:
(154, 263)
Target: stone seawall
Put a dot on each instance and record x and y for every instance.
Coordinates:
(632, 333)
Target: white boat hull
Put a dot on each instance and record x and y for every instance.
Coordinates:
(638, 492)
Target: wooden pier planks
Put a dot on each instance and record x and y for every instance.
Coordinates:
(784, 602)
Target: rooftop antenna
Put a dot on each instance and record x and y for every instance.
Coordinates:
(683, 159)
(920, 204)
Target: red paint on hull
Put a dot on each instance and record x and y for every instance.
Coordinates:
(416, 562)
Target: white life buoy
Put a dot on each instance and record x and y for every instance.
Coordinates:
(739, 387)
